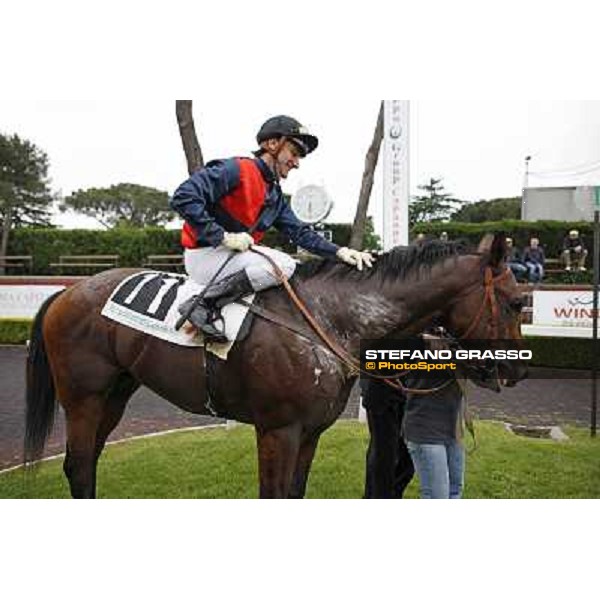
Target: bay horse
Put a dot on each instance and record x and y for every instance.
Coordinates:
(291, 387)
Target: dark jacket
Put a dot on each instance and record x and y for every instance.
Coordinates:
(512, 255)
(534, 255)
(230, 195)
(433, 418)
(571, 244)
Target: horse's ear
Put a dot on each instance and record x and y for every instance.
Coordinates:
(494, 246)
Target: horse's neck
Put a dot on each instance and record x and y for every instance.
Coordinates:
(367, 309)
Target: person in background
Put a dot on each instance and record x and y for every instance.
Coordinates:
(433, 426)
(419, 239)
(574, 248)
(389, 468)
(534, 259)
(514, 262)
(444, 236)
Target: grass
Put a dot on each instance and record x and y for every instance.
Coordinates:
(14, 331)
(222, 464)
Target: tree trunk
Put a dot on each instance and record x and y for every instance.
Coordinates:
(6, 225)
(191, 147)
(360, 220)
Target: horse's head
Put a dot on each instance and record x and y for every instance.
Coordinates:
(490, 307)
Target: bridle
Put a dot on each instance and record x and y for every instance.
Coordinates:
(490, 298)
(354, 365)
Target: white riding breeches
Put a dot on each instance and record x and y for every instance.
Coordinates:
(201, 265)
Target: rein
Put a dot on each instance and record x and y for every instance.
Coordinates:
(352, 363)
(338, 350)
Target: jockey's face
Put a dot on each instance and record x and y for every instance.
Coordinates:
(282, 157)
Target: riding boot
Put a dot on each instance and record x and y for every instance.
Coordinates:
(207, 312)
(231, 288)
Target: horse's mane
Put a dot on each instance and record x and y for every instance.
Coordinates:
(398, 262)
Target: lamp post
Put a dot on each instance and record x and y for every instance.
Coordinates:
(594, 407)
(526, 180)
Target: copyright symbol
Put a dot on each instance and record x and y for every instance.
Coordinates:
(370, 366)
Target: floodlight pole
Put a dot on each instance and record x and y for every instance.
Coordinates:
(595, 313)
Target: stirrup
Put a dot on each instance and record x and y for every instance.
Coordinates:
(213, 334)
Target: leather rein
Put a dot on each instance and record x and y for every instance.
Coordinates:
(354, 365)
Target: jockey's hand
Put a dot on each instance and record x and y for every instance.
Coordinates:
(240, 242)
(355, 258)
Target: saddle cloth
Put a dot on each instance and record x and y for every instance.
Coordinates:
(148, 301)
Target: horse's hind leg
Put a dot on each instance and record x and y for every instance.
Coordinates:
(85, 427)
(303, 464)
(116, 402)
(277, 457)
(117, 399)
(83, 420)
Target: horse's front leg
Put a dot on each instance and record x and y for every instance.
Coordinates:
(303, 464)
(277, 458)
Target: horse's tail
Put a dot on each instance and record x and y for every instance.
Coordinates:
(40, 394)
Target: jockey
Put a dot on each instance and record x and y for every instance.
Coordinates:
(229, 205)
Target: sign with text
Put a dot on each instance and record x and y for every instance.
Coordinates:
(396, 190)
(23, 301)
(563, 308)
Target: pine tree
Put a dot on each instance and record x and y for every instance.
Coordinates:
(434, 205)
(25, 197)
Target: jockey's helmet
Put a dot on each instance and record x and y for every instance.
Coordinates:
(283, 126)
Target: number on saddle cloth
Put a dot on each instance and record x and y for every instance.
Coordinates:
(151, 294)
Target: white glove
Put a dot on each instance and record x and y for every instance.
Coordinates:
(355, 258)
(240, 242)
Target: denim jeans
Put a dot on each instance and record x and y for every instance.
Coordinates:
(536, 272)
(440, 467)
(519, 270)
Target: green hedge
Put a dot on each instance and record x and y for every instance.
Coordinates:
(550, 233)
(132, 245)
(14, 331)
(561, 353)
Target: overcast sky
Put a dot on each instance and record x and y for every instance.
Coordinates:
(477, 146)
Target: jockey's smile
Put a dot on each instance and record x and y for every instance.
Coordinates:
(282, 156)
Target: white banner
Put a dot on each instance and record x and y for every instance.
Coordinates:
(563, 308)
(396, 190)
(23, 301)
